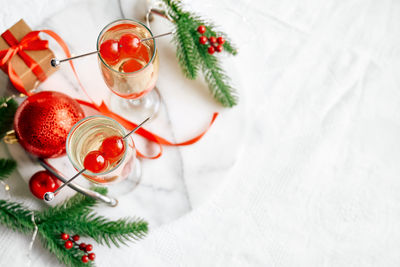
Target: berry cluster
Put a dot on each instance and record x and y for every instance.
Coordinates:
(111, 150)
(129, 45)
(215, 44)
(86, 248)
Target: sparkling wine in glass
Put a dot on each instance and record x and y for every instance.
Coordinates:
(88, 135)
(130, 67)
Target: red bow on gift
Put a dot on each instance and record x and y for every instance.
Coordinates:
(31, 41)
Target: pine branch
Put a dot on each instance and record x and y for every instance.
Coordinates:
(186, 52)
(193, 56)
(15, 216)
(7, 166)
(106, 232)
(8, 107)
(76, 206)
(54, 244)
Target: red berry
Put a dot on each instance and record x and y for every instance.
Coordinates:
(68, 244)
(82, 246)
(42, 182)
(92, 256)
(220, 40)
(113, 148)
(85, 258)
(95, 162)
(76, 238)
(109, 51)
(203, 39)
(89, 247)
(211, 50)
(129, 43)
(64, 236)
(212, 39)
(201, 29)
(219, 48)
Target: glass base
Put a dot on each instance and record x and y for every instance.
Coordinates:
(128, 184)
(137, 110)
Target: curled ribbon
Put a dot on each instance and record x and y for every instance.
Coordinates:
(31, 41)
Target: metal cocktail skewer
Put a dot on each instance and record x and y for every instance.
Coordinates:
(49, 196)
(56, 62)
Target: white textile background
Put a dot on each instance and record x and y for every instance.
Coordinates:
(319, 179)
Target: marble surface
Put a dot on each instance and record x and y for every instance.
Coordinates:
(309, 176)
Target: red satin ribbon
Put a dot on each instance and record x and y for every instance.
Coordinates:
(102, 108)
(31, 41)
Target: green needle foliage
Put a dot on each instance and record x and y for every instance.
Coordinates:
(8, 107)
(7, 166)
(75, 216)
(193, 56)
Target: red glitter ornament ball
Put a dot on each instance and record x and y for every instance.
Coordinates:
(43, 121)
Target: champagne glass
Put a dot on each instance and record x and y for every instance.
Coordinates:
(131, 74)
(88, 135)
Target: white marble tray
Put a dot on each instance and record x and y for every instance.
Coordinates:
(184, 177)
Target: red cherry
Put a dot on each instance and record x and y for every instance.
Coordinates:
(64, 236)
(211, 50)
(42, 182)
(212, 39)
(219, 48)
(95, 162)
(129, 43)
(82, 246)
(220, 40)
(68, 244)
(85, 258)
(89, 247)
(109, 50)
(203, 39)
(131, 66)
(113, 148)
(201, 29)
(92, 256)
(76, 238)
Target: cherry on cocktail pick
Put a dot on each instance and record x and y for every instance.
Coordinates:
(49, 196)
(56, 62)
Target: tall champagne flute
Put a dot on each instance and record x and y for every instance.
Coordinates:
(88, 135)
(132, 77)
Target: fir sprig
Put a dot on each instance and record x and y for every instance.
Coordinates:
(192, 56)
(7, 166)
(8, 107)
(73, 216)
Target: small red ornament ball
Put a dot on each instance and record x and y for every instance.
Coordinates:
(219, 48)
(203, 39)
(220, 40)
(92, 256)
(42, 123)
(82, 246)
(76, 238)
(109, 51)
(201, 29)
(211, 50)
(42, 182)
(64, 236)
(95, 162)
(68, 244)
(85, 258)
(212, 39)
(113, 148)
(88, 247)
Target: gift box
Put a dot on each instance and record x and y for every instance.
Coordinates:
(30, 57)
